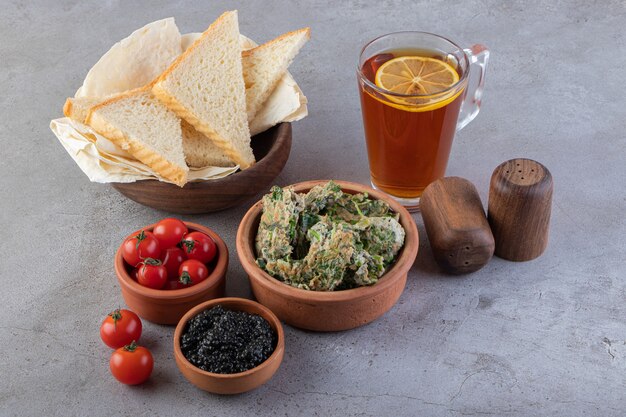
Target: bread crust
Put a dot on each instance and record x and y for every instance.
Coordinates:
(173, 172)
(67, 108)
(118, 97)
(183, 112)
(255, 100)
(189, 50)
(249, 52)
(173, 104)
(78, 111)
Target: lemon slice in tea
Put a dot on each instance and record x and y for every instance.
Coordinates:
(418, 75)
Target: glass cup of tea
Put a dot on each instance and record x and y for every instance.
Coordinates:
(417, 89)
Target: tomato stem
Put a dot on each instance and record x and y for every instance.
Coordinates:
(152, 261)
(188, 244)
(115, 315)
(132, 347)
(185, 278)
(140, 237)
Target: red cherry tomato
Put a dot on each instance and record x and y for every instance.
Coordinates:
(172, 258)
(174, 284)
(199, 246)
(192, 271)
(152, 274)
(141, 246)
(131, 364)
(120, 328)
(169, 232)
(133, 273)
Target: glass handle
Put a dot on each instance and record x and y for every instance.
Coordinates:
(478, 56)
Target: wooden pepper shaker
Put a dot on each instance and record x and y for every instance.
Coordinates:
(456, 225)
(520, 200)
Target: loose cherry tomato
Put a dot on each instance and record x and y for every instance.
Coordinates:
(120, 328)
(152, 274)
(172, 258)
(131, 364)
(139, 247)
(192, 271)
(199, 246)
(169, 232)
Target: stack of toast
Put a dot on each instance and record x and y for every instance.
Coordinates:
(196, 112)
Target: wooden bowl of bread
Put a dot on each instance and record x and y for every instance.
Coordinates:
(271, 150)
(189, 123)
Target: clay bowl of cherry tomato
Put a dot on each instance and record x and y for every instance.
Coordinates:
(167, 304)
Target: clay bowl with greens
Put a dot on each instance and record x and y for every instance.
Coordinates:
(229, 383)
(312, 297)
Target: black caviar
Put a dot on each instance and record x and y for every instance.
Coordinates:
(226, 342)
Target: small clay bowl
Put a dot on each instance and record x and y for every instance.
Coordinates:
(168, 306)
(271, 150)
(242, 381)
(332, 310)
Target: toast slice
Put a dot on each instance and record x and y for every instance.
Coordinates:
(200, 152)
(205, 87)
(77, 108)
(264, 66)
(141, 125)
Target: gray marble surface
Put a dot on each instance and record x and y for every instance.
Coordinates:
(546, 337)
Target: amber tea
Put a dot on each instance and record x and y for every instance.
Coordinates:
(409, 138)
(413, 87)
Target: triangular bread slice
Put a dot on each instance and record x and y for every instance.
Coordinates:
(205, 87)
(200, 152)
(77, 108)
(141, 125)
(264, 65)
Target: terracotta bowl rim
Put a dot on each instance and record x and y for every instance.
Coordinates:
(232, 303)
(212, 280)
(401, 266)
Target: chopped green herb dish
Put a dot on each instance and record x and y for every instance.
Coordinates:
(326, 240)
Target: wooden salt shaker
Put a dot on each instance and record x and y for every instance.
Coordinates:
(456, 225)
(520, 200)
